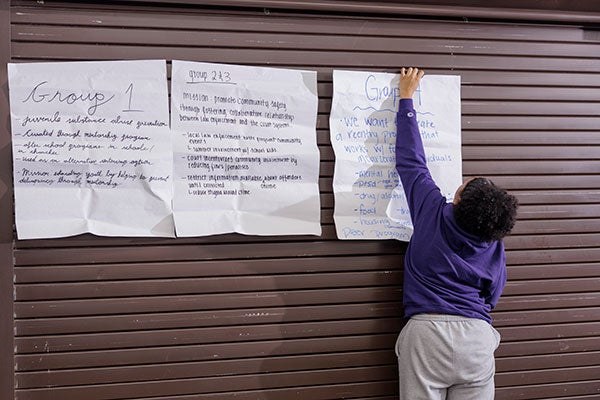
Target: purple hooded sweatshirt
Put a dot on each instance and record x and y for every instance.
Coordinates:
(446, 269)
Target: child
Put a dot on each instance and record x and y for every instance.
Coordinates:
(454, 273)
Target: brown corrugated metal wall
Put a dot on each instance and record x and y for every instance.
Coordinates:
(314, 318)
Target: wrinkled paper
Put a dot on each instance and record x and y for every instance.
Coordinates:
(369, 199)
(91, 148)
(245, 153)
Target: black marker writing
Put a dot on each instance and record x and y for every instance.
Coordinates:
(130, 91)
(96, 99)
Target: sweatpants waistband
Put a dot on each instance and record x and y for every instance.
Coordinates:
(444, 318)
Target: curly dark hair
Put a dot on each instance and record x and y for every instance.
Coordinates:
(486, 210)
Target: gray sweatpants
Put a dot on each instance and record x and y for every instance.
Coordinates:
(446, 357)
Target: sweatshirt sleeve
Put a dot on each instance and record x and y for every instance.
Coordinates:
(422, 194)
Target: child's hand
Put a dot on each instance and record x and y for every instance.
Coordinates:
(409, 81)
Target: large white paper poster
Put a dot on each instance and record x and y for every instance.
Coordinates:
(91, 149)
(369, 198)
(245, 153)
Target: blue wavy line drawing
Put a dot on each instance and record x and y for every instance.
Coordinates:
(374, 109)
(388, 110)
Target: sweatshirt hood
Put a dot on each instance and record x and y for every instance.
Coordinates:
(459, 240)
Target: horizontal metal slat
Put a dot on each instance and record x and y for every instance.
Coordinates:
(580, 270)
(546, 182)
(88, 352)
(549, 332)
(530, 167)
(171, 270)
(524, 138)
(524, 93)
(75, 52)
(527, 122)
(539, 108)
(221, 337)
(547, 347)
(508, 364)
(538, 317)
(554, 286)
(201, 386)
(504, 153)
(547, 376)
(321, 392)
(543, 226)
(580, 196)
(206, 252)
(553, 256)
(202, 369)
(464, 10)
(239, 319)
(107, 289)
(552, 241)
(557, 211)
(545, 391)
(548, 301)
(258, 22)
(110, 306)
(199, 37)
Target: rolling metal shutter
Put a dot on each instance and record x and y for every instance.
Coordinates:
(315, 318)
